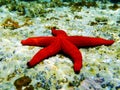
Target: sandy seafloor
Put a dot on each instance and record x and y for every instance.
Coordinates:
(101, 64)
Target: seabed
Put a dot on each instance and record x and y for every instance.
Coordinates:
(22, 19)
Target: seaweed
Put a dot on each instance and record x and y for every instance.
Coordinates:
(10, 23)
(77, 6)
(85, 3)
(33, 8)
(10, 76)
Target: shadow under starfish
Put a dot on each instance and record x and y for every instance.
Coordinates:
(60, 41)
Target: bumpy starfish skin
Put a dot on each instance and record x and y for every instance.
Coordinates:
(82, 41)
(38, 41)
(60, 41)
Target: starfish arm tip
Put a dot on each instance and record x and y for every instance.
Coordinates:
(29, 65)
(23, 42)
(112, 41)
(109, 42)
(77, 68)
(77, 72)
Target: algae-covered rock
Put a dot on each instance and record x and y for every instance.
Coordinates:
(114, 7)
(29, 88)
(22, 81)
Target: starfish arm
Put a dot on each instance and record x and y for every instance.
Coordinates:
(81, 41)
(38, 41)
(58, 32)
(44, 53)
(74, 53)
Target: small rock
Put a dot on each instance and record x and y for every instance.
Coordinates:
(23, 81)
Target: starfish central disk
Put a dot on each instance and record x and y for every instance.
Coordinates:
(60, 41)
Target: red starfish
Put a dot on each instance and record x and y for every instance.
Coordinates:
(60, 41)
